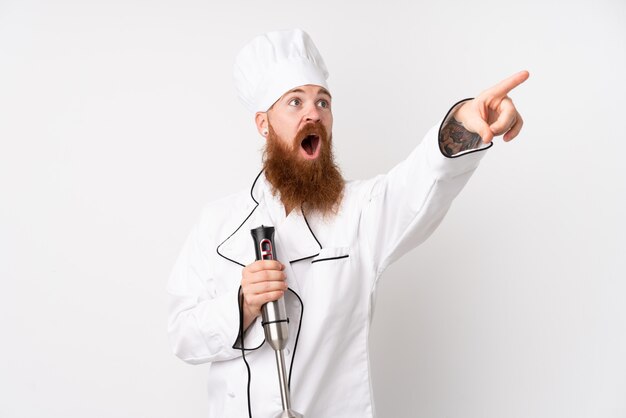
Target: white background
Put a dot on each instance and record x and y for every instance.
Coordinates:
(119, 120)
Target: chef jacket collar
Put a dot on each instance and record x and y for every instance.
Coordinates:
(295, 241)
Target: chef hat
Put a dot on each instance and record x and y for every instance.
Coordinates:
(274, 63)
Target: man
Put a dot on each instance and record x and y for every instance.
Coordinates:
(333, 238)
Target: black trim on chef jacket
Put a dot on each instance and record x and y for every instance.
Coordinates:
(217, 249)
(330, 258)
(240, 304)
(309, 226)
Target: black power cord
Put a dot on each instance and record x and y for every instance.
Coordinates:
(243, 351)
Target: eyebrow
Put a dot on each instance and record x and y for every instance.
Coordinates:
(321, 90)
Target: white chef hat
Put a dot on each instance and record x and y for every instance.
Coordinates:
(274, 63)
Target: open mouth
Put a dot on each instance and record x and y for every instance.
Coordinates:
(310, 146)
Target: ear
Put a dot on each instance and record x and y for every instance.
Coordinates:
(262, 123)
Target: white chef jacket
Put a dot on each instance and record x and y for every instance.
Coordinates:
(332, 267)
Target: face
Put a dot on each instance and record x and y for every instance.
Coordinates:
(298, 158)
(294, 113)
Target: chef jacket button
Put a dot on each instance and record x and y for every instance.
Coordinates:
(287, 351)
(231, 394)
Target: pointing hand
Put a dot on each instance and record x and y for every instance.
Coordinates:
(493, 113)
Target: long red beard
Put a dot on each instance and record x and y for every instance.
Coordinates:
(314, 185)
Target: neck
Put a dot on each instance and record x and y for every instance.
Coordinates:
(288, 208)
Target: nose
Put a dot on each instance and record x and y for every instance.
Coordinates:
(313, 113)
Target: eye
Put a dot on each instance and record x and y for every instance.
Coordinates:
(324, 103)
(294, 100)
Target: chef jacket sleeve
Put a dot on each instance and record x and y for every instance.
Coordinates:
(203, 325)
(405, 206)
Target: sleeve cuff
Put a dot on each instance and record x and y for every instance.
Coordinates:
(450, 166)
(449, 114)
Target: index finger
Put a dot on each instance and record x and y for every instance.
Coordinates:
(260, 265)
(505, 86)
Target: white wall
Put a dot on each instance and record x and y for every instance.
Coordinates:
(118, 120)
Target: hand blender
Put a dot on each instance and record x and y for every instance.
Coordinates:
(275, 321)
